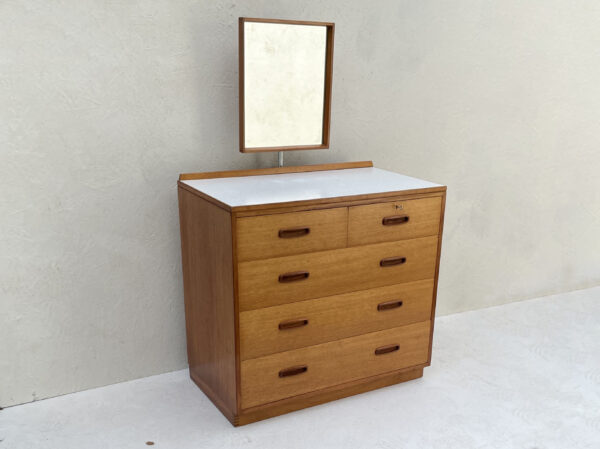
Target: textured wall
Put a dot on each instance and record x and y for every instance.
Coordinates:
(103, 103)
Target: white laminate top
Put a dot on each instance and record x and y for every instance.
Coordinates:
(287, 187)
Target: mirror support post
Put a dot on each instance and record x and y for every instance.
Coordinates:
(280, 158)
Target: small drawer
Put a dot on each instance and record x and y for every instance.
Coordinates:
(386, 222)
(271, 282)
(267, 236)
(305, 323)
(278, 376)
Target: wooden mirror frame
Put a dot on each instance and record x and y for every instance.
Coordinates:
(326, 94)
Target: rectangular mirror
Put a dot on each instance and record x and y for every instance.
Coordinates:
(285, 84)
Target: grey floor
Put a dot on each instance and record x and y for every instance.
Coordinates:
(524, 375)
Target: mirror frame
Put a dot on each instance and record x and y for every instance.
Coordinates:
(327, 91)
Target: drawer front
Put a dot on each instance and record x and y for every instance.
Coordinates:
(277, 376)
(305, 323)
(267, 236)
(282, 280)
(385, 222)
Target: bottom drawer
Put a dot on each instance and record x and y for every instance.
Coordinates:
(278, 376)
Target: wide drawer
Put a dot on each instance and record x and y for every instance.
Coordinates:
(267, 236)
(277, 376)
(384, 222)
(281, 280)
(305, 323)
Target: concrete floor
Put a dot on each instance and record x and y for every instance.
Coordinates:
(524, 375)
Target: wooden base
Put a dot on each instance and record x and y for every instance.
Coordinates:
(221, 279)
(272, 409)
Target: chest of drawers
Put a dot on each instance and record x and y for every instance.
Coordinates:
(307, 284)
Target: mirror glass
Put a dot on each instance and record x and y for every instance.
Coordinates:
(285, 84)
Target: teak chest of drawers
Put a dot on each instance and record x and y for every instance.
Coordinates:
(307, 284)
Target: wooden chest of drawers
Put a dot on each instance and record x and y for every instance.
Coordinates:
(307, 284)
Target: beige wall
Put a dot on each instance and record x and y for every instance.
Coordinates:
(103, 103)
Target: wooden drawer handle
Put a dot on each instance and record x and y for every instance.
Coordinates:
(389, 305)
(292, 371)
(391, 261)
(293, 232)
(290, 324)
(394, 220)
(293, 276)
(386, 349)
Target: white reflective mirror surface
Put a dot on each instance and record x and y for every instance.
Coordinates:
(284, 85)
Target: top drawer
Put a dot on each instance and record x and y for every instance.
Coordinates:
(267, 236)
(398, 220)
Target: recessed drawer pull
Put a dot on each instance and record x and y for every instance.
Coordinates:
(389, 305)
(391, 261)
(293, 232)
(292, 371)
(290, 324)
(384, 350)
(394, 220)
(293, 276)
